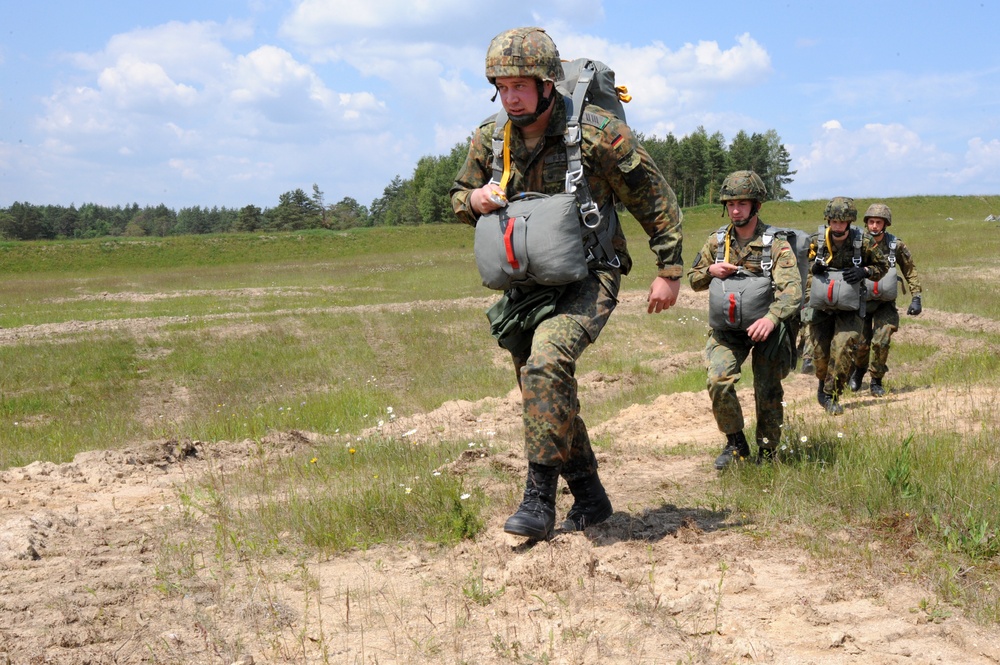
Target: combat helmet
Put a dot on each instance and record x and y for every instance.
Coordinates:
(841, 209)
(879, 210)
(528, 52)
(743, 185)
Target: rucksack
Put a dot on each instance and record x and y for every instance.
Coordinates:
(799, 242)
(601, 90)
(585, 82)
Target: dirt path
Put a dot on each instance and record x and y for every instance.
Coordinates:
(663, 581)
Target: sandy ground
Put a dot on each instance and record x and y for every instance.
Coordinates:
(662, 581)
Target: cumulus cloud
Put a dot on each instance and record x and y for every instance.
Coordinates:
(135, 84)
(980, 171)
(674, 81)
(846, 161)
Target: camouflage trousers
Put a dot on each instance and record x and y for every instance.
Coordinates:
(554, 432)
(834, 337)
(881, 322)
(725, 354)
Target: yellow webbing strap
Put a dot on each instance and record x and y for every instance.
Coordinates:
(506, 157)
(829, 247)
(728, 236)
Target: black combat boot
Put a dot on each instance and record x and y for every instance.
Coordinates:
(807, 366)
(854, 382)
(821, 396)
(591, 504)
(876, 387)
(736, 449)
(536, 516)
(829, 401)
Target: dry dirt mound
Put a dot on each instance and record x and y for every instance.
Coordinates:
(663, 581)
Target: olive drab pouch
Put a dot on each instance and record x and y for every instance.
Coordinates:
(886, 289)
(535, 239)
(738, 300)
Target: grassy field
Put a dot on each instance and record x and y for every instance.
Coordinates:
(114, 342)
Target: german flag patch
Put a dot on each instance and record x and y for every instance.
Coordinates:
(617, 141)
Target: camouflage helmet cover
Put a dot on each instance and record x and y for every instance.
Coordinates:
(743, 185)
(841, 209)
(879, 210)
(527, 52)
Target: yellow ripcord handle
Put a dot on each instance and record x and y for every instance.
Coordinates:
(623, 93)
(506, 157)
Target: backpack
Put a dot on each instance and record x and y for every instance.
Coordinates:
(586, 81)
(799, 242)
(601, 90)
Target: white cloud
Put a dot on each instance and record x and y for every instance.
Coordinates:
(668, 82)
(981, 170)
(891, 158)
(135, 84)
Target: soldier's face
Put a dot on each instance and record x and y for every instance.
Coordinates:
(876, 225)
(739, 211)
(839, 227)
(519, 95)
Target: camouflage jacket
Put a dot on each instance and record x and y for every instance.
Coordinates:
(615, 164)
(784, 272)
(842, 255)
(904, 260)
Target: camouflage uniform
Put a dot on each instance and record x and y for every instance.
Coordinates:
(616, 165)
(882, 318)
(727, 350)
(835, 336)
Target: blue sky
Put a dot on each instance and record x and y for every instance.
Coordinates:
(231, 102)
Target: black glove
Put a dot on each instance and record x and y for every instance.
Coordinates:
(854, 274)
(819, 268)
(914, 308)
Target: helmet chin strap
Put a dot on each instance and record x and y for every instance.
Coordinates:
(540, 108)
(754, 209)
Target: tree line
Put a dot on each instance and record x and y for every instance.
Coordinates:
(694, 165)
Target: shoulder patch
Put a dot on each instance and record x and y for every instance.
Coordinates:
(594, 120)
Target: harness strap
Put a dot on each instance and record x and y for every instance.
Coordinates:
(893, 241)
(827, 245)
(723, 246)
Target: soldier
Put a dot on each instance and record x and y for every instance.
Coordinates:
(881, 316)
(747, 246)
(836, 333)
(523, 64)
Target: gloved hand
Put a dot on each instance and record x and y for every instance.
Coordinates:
(819, 268)
(854, 274)
(915, 308)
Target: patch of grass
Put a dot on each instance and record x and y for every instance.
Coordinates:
(893, 484)
(344, 497)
